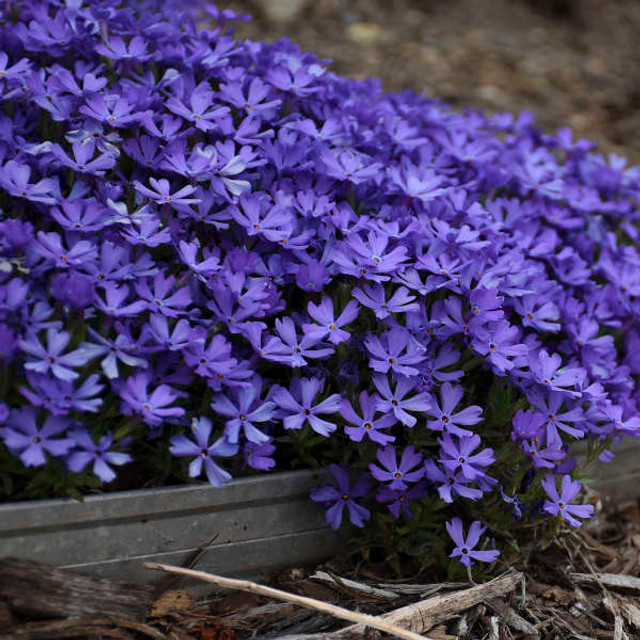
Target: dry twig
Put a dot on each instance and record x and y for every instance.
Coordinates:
(610, 580)
(421, 616)
(426, 614)
(351, 586)
(253, 587)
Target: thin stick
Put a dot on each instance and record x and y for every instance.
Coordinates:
(425, 614)
(303, 601)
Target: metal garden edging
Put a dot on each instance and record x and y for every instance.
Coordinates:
(250, 527)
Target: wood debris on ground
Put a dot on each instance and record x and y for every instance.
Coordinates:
(584, 586)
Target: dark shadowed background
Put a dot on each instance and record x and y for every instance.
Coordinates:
(571, 62)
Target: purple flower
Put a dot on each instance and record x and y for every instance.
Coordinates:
(116, 48)
(549, 405)
(244, 412)
(162, 299)
(252, 99)
(298, 406)
(499, 342)
(257, 455)
(202, 452)
(335, 499)
(445, 418)
(83, 160)
(153, 406)
(114, 302)
(450, 484)
(312, 276)
(199, 109)
(486, 305)
(122, 349)
(456, 454)
(297, 349)
(396, 401)
(546, 370)
(212, 361)
(14, 178)
(28, 437)
(60, 397)
(466, 545)
(114, 110)
(161, 193)
(397, 350)
(527, 424)
(328, 326)
(374, 298)
(50, 246)
(52, 357)
(397, 500)
(367, 425)
(261, 218)
(85, 452)
(397, 474)
(558, 505)
(543, 457)
(422, 184)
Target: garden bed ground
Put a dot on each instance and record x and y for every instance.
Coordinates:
(585, 586)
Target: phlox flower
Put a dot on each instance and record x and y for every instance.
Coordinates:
(558, 505)
(298, 405)
(445, 418)
(396, 350)
(374, 297)
(257, 455)
(398, 500)
(87, 452)
(30, 438)
(327, 325)
(367, 425)
(450, 484)
(161, 193)
(203, 453)
(152, 406)
(397, 402)
(335, 499)
(547, 371)
(456, 453)
(397, 474)
(51, 357)
(465, 549)
(244, 411)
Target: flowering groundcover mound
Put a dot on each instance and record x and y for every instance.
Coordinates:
(219, 254)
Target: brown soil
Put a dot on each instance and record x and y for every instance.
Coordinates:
(571, 62)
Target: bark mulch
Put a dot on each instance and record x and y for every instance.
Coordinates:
(584, 585)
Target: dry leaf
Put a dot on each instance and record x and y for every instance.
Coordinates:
(169, 602)
(631, 612)
(213, 631)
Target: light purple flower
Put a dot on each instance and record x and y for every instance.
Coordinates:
(465, 549)
(86, 452)
(335, 499)
(398, 474)
(558, 505)
(28, 437)
(299, 407)
(202, 452)
(445, 418)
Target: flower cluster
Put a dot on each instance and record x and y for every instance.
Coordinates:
(233, 247)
